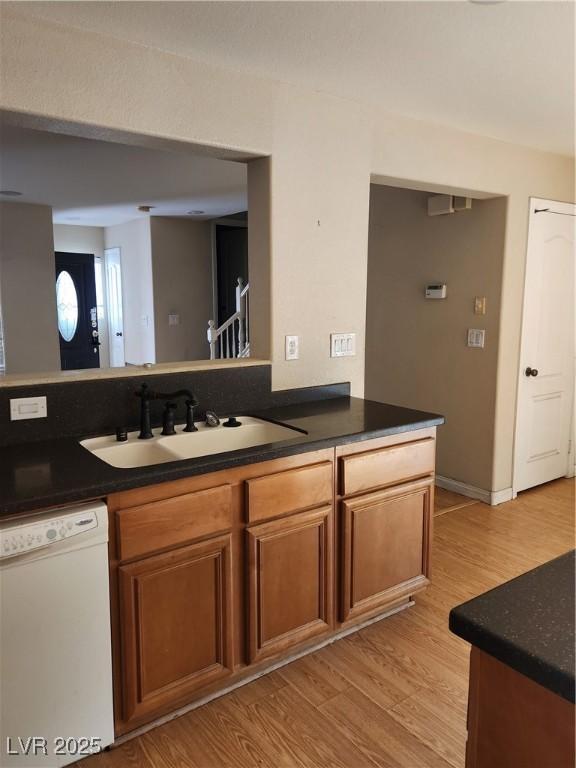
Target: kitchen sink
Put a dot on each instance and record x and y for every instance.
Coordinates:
(187, 445)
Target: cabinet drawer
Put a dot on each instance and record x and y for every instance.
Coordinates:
(162, 524)
(275, 495)
(387, 466)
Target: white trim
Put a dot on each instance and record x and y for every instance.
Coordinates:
(488, 497)
(500, 497)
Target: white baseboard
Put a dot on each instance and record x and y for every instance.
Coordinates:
(488, 497)
(500, 497)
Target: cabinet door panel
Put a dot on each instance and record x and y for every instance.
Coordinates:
(290, 581)
(177, 629)
(385, 539)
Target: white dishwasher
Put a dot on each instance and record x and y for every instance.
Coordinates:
(55, 654)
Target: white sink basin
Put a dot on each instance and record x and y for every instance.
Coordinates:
(187, 445)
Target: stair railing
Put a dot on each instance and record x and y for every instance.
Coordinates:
(232, 338)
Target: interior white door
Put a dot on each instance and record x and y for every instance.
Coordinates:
(546, 378)
(114, 302)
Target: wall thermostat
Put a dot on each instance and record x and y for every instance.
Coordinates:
(435, 291)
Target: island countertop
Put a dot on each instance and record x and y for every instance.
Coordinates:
(528, 624)
(49, 473)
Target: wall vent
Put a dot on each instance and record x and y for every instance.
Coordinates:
(440, 205)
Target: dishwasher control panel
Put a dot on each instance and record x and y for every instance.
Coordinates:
(17, 539)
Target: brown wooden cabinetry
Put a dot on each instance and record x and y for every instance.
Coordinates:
(176, 624)
(384, 547)
(385, 519)
(290, 581)
(216, 577)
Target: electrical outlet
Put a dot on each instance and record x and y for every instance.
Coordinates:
(342, 344)
(292, 347)
(28, 408)
(476, 337)
(173, 318)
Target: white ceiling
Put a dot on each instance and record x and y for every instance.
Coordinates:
(501, 69)
(99, 184)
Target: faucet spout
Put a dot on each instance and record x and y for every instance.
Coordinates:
(146, 395)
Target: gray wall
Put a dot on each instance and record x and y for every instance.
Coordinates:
(182, 274)
(27, 288)
(416, 353)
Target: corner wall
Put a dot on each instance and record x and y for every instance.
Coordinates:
(416, 353)
(28, 288)
(182, 277)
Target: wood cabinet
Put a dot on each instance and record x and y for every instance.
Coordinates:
(385, 545)
(290, 567)
(513, 722)
(385, 509)
(176, 624)
(216, 577)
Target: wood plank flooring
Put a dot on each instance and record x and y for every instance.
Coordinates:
(448, 501)
(392, 695)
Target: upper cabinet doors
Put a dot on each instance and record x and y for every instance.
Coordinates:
(176, 617)
(290, 575)
(385, 537)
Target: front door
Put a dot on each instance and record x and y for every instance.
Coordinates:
(546, 380)
(77, 311)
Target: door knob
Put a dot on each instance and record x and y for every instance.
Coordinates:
(531, 371)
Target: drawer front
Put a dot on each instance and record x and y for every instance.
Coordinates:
(387, 466)
(171, 522)
(275, 495)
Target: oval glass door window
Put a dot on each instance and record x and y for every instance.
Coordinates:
(67, 305)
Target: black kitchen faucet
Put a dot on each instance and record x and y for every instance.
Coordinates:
(146, 395)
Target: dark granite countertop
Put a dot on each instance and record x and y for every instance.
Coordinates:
(528, 624)
(53, 472)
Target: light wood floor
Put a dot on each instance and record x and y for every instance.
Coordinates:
(394, 694)
(448, 501)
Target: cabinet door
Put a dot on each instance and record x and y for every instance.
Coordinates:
(290, 581)
(385, 547)
(176, 619)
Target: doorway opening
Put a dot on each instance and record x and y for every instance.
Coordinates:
(165, 232)
(435, 260)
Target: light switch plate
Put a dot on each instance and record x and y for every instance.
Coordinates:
(342, 344)
(480, 305)
(292, 347)
(28, 408)
(476, 337)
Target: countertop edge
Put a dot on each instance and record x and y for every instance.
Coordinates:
(478, 621)
(549, 677)
(130, 479)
